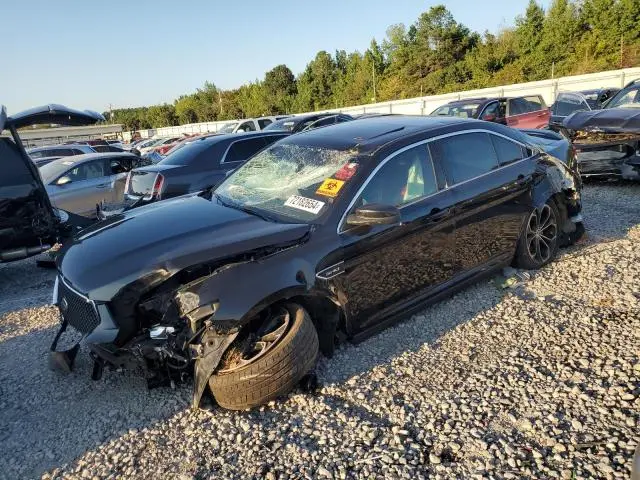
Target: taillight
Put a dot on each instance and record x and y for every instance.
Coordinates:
(126, 184)
(157, 186)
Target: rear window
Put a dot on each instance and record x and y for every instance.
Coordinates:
(465, 156)
(508, 151)
(241, 150)
(190, 153)
(285, 125)
(14, 170)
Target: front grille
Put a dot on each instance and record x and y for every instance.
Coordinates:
(77, 310)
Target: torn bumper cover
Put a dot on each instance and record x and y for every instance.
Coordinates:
(607, 142)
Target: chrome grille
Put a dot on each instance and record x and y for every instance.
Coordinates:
(76, 309)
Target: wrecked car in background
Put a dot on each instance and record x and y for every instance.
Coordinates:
(29, 223)
(340, 229)
(607, 141)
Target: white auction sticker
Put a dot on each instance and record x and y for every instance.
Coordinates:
(304, 203)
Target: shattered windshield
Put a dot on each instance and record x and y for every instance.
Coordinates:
(296, 182)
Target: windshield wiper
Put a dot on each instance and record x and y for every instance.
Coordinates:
(243, 208)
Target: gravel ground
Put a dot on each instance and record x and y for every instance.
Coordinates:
(540, 381)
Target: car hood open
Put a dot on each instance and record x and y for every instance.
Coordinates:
(610, 120)
(165, 237)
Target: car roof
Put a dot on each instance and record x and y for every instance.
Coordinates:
(369, 134)
(58, 147)
(85, 157)
(220, 137)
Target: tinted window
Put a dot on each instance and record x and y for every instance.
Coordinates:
(14, 171)
(403, 179)
(534, 103)
(246, 127)
(120, 165)
(77, 151)
(263, 122)
(242, 150)
(508, 151)
(465, 156)
(518, 106)
(492, 110)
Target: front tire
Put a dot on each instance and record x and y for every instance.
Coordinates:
(284, 351)
(539, 240)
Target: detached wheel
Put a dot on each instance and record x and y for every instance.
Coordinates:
(538, 243)
(269, 363)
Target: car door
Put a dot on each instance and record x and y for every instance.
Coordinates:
(527, 112)
(390, 268)
(491, 194)
(118, 168)
(88, 185)
(492, 113)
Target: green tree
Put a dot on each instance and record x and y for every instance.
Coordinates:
(280, 89)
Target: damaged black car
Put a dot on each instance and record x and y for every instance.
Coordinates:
(332, 233)
(607, 141)
(29, 223)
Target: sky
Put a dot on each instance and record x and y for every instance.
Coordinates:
(126, 53)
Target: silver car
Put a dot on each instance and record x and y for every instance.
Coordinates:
(80, 182)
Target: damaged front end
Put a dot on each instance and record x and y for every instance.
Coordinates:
(606, 142)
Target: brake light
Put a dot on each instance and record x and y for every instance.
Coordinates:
(157, 186)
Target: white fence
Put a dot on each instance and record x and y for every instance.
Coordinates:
(425, 105)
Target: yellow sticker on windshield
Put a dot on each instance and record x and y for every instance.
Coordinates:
(330, 187)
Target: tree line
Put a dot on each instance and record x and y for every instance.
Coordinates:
(436, 54)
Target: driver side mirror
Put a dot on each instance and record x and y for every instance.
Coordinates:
(374, 214)
(64, 180)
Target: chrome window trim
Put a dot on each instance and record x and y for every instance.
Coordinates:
(447, 186)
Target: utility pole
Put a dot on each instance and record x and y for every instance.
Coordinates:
(553, 70)
(621, 50)
(220, 101)
(373, 72)
(111, 112)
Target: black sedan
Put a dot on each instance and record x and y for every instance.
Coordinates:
(344, 228)
(302, 123)
(201, 163)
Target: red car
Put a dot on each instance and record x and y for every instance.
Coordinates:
(519, 112)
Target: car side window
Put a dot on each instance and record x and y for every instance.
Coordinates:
(243, 149)
(119, 165)
(627, 98)
(534, 103)
(403, 179)
(465, 156)
(491, 110)
(518, 106)
(86, 171)
(263, 122)
(507, 151)
(247, 127)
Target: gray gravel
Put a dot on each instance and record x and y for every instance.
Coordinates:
(539, 381)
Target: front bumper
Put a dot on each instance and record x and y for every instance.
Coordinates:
(609, 159)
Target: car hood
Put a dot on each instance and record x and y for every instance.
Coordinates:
(613, 120)
(158, 240)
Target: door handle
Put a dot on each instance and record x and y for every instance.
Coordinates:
(102, 185)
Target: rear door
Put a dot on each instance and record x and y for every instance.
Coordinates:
(90, 183)
(527, 112)
(490, 185)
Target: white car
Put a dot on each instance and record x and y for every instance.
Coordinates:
(250, 124)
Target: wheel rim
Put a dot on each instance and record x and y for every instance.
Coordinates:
(257, 345)
(542, 231)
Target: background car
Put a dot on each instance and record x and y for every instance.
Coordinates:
(250, 124)
(202, 163)
(568, 102)
(156, 142)
(77, 184)
(43, 155)
(520, 112)
(301, 123)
